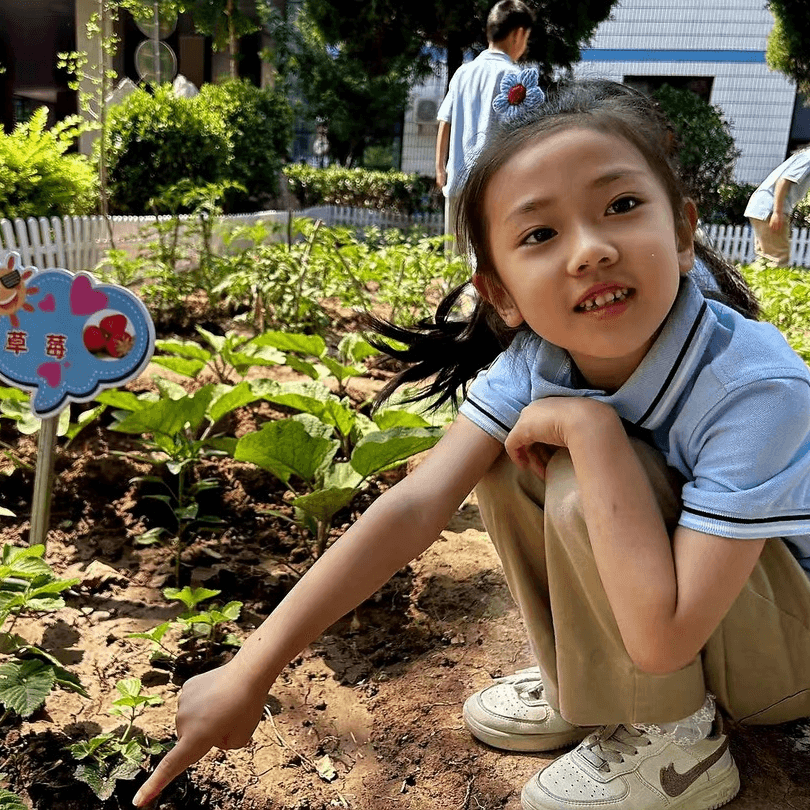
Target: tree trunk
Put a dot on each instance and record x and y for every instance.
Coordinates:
(232, 39)
(455, 56)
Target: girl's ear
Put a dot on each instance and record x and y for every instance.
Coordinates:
(686, 237)
(493, 291)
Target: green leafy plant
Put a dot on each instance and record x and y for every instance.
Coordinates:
(784, 297)
(155, 140)
(203, 630)
(38, 175)
(259, 123)
(365, 188)
(206, 628)
(9, 800)
(301, 452)
(107, 758)
(228, 356)
(288, 283)
(15, 405)
(707, 151)
(175, 431)
(28, 586)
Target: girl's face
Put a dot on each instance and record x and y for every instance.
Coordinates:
(583, 238)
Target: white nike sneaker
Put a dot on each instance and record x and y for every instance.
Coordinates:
(622, 768)
(512, 714)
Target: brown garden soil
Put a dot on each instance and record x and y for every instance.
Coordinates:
(369, 717)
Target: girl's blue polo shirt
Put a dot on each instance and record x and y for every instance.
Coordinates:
(724, 398)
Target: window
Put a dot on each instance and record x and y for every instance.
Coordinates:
(700, 85)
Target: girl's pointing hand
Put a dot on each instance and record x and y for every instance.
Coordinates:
(214, 710)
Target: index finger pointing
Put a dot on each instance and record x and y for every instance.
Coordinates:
(183, 755)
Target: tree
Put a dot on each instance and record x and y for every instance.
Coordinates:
(789, 41)
(356, 77)
(354, 62)
(707, 151)
(559, 29)
(222, 20)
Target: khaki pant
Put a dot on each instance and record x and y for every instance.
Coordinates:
(757, 662)
(774, 247)
(450, 209)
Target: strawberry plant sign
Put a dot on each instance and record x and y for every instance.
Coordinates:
(64, 337)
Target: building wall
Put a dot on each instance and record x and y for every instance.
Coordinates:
(722, 39)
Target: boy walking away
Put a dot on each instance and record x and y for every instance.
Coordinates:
(466, 112)
(770, 207)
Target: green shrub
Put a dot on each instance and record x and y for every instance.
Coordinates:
(730, 209)
(155, 141)
(259, 125)
(228, 133)
(801, 213)
(707, 149)
(37, 176)
(336, 185)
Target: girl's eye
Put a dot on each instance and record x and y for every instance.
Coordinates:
(623, 205)
(540, 235)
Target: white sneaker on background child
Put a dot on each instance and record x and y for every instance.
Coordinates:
(513, 714)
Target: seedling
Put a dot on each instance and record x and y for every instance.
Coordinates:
(28, 586)
(176, 431)
(107, 758)
(206, 628)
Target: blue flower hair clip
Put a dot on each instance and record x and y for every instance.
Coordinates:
(519, 95)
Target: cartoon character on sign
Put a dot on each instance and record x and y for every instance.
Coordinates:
(13, 291)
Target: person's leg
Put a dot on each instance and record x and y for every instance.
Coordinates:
(772, 247)
(539, 532)
(450, 208)
(757, 662)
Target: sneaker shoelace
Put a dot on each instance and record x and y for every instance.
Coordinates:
(529, 690)
(612, 744)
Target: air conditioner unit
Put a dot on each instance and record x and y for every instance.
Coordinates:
(424, 110)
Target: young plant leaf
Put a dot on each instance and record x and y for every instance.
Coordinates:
(169, 417)
(376, 452)
(228, 398)
(11, 801)
(285, 448)
(394, 417)
(307, 345)
(103, 776)
(190, 597)
(185, 366)
(24, 685)
(324, 503)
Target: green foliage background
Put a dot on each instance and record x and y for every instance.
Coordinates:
(788, 47)
(38, 177)
(707, 150)
(229, 132)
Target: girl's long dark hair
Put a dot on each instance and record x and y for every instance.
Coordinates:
(444, 354)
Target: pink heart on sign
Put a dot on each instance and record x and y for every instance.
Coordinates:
(51, 373)
(84, 300)
(48, 303)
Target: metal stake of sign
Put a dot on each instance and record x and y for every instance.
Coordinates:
(43, 481)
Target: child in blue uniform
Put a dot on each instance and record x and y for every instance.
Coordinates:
(640, 452)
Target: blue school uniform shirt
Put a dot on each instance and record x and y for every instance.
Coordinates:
(725, 399)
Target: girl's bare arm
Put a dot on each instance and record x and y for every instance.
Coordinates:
(668, 594)
(222, 707)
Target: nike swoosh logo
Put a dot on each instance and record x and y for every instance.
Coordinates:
(675, 783)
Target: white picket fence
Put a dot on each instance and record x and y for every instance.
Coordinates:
(79, 243)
